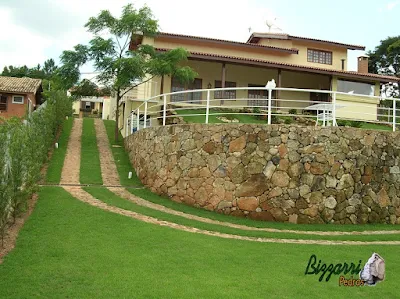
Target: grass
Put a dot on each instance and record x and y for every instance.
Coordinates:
(251, 119)
(243, 118)
(90, 171)
(148, 195)
(70, 249)
(56, 163)
(372, 126)
(114, 200)
(121, 157)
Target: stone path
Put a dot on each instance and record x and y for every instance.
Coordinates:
(72, 162)
(70, 176)
(83, 196)
(109, 171)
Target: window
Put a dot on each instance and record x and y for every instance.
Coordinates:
(318, 56)
(3, 103)
(193, 97)
(356, 87)
(18, 99)
(227, 94)
(259, 98)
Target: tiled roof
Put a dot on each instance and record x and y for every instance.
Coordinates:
(23, 85)
(257, 35)
(293, 51)
(290, 66)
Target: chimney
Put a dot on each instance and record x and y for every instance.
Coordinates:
(363, 64)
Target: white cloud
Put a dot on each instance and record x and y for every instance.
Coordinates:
(30, 41)
(392, 5)
(19, 45)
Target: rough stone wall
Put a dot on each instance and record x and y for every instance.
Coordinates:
(276, 173)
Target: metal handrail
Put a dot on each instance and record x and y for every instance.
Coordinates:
(207, 104)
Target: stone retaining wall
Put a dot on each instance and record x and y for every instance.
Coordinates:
(276, 173)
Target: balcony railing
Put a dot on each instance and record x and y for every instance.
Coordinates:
(160, 109)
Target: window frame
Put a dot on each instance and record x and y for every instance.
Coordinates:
(194, 97)
(370, 84)
(259, 98)
(19, 103)
(227, 94)
(2, 96)
(319, 56)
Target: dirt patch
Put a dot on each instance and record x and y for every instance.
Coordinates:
(109, 171)
(14, 228)
(72, 163)
(121, 192)
(87, 198)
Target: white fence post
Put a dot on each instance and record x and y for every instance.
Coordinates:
(137, 119)
(131, 122)
(269, 105)
(334, 109)
(145, 114)
(208, 106)
(165, 111)
(394, 114)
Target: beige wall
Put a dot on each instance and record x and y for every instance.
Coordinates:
(338, 53)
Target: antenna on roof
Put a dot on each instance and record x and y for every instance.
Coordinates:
(271, 24)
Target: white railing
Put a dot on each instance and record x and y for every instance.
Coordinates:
(200, 105)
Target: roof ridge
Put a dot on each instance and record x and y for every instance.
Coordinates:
(289, 36)
(230, 41)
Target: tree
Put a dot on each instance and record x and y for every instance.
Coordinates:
(120, 68)
(86, 88)
(385, 60)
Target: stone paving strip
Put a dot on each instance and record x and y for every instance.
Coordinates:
(72, 162)
(121, 192)
(109, 171)
(83, 196)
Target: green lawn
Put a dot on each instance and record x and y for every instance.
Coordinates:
(165, 201)
(90, 171)
(372, 126)
(243, 118)
(114, 200)
(68, 249)
(56, 163)
(189, 117)
(121, 158)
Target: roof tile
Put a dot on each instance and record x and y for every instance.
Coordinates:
(23, 85)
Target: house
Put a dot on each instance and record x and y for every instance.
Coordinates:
(95, 106)
(19, 96)
(292, 61)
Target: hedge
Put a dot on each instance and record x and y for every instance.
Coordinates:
(24, 145)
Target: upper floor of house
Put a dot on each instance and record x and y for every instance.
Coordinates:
(273, 47)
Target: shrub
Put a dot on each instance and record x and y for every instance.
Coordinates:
(274, 119)
(288, 120)
(293, 111)
(355, 124)
(342, 123)
(23, 149)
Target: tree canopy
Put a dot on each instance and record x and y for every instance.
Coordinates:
(87, 88)
(121, 68)
(385, 60)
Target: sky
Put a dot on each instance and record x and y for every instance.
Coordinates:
(32, 31)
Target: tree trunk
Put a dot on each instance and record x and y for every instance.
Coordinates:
(117, 117)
